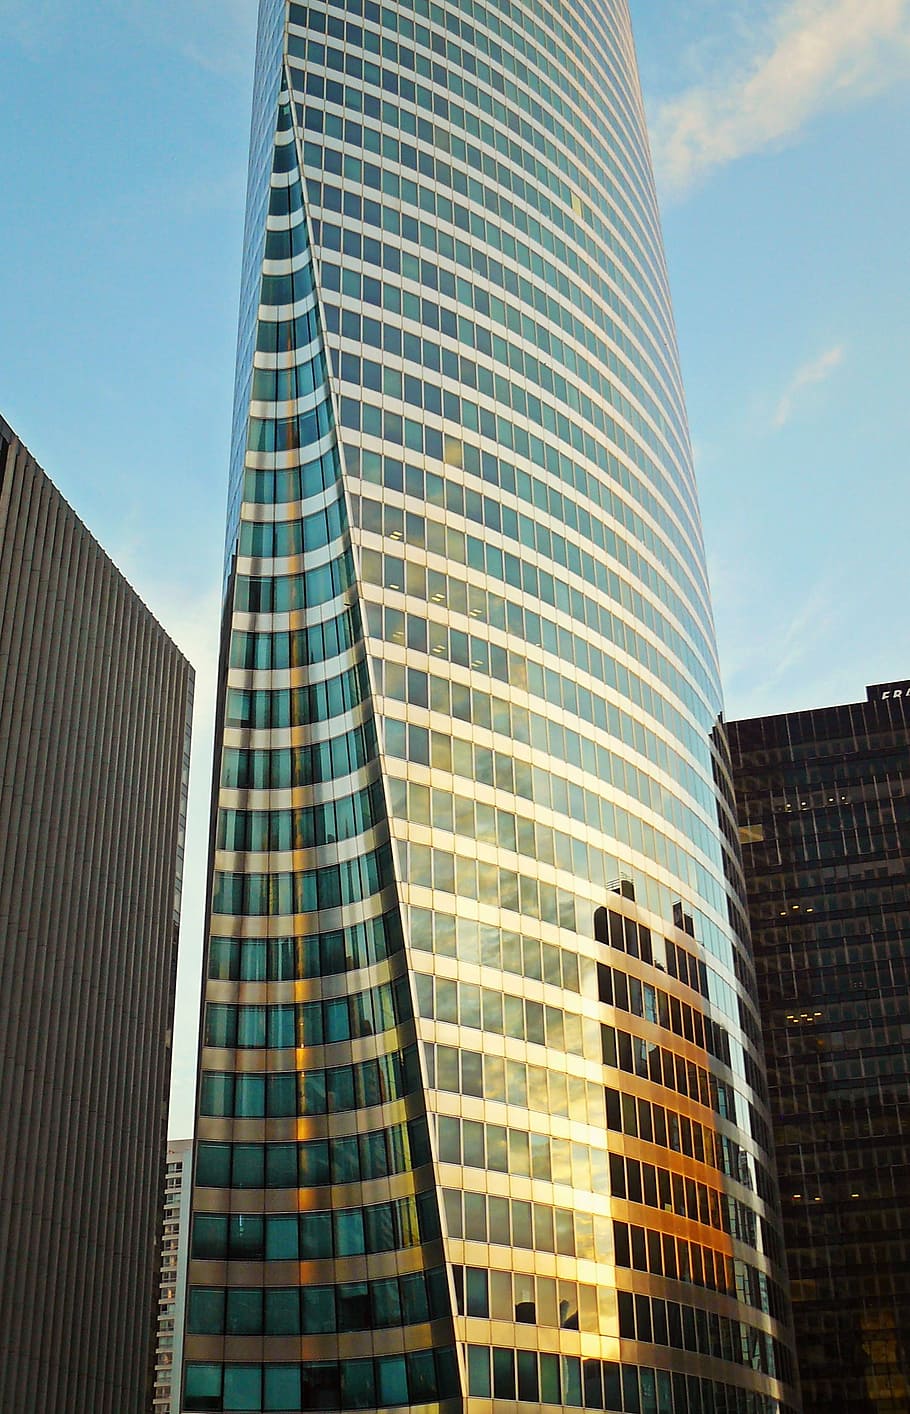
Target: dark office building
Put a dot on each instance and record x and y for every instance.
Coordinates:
(825, 824)
(95, 708)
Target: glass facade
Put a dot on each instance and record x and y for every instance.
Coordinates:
(826, 829)
(482, 1108)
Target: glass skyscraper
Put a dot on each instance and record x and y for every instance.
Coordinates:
(482, 1115)
(824, 800)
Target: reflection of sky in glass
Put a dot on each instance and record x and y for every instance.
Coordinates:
(488, 536)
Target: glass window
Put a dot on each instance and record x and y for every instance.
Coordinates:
(281, 1239)
(503, 1374)
(282, 1311)
(317, 1310)
(249, 1166)
(281, 1165)
(477, 1292)
(250, 1102)
(210, 1234)
(315, 1236)
(353, 1305)
(251, 1026)
(224, 959)
(202, 1387)
(245, 1236)
(206, 1310)
(282, 1099)
(213, 1165)
(349, 1236)
(220, 1025)
(282, 1387)
(244, 1312)
(357, 1384)
(243, 1387)
(392, 1380)
(386, 1303)
(414, 1299)
(314, 1163)
(422, 1377)
(479, 1383)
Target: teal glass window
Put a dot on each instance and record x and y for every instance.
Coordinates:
(479, 1381)
(206, 1310)
(213, 1165)
(282, 1311)
(353, 1306)
(220, 1025)
(349, 1236)
(314, 1164)
(224, 959)
(358, 1389)
(249, 1166)
(422, 1376)
(244, 1311)
(549, 1381)
(282, 1239)
(282, 1098)
(281, 1027)
(392, 1380)
(250, 1096)
(243, 1388)
(317, 1304)
(245, 1236)
(281, 1164)
(315, 1236)
(386, 1301)
(202, 1387)
(210, 1237)
(282, 1387)
(414, 1299)
(251, 1026)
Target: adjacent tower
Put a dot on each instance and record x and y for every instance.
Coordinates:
(482, 1105)
(823, 799)
(95, 712)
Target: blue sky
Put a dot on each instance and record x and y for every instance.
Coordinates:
(779, 132)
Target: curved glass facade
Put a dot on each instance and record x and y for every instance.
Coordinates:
(482, 1106)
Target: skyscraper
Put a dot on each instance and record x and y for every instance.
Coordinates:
(172, 1288)
(481, 1108)
(823, 801)
(95, 710)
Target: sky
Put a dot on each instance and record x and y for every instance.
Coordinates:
(779, 136)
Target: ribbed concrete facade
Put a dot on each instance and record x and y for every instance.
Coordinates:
(95, 709)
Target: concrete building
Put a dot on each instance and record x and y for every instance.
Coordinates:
(172, 1290)
(95, 709)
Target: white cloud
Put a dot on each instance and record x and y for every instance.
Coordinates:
(815, 55)
(809, 375)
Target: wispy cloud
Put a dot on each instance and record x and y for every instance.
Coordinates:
(812, 56)
(217, 35)
(766, 661)
(808, 375)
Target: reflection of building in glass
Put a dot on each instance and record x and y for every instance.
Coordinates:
(172, 1288)
(95, 707)
(823, 798)
(477, 1119)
